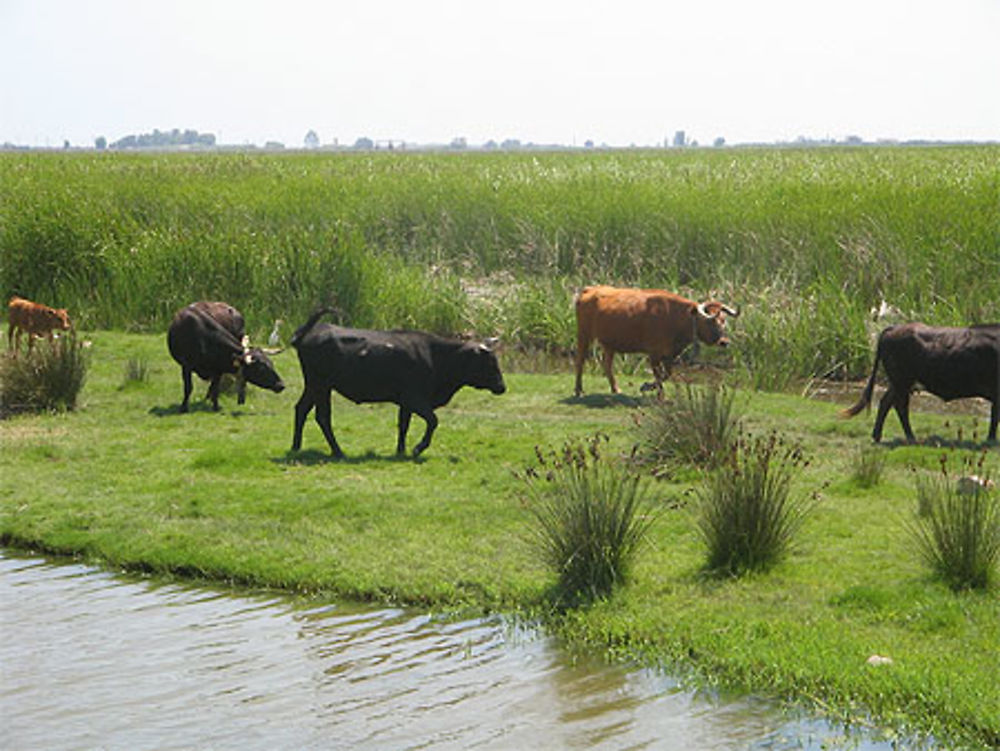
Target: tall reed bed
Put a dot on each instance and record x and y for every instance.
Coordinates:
(808, 241)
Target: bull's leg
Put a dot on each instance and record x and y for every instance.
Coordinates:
(302, 408)
(582, 348)
(241, 387)
(426, 412)
(10, 335)
(994, 419)
(213, 391)
(322, 400)
(432, 422)
(608, 361)
(661, 372)
(903, 412)
(186, 378)
(404, 426)
(883, 409)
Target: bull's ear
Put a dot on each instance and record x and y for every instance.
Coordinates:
(238, 362)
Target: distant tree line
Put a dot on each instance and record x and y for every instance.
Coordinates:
(162, 139)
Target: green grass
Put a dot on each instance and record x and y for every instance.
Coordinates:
(126, 482)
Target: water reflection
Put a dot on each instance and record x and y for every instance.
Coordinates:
(91, 660)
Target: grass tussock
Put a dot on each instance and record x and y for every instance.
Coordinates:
(693, 428)
(746, 513)
(48, 378)
(136, 371)
(589, 518)
(956, 528)
(868, 465)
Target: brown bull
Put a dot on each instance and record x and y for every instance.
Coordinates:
(653, 321)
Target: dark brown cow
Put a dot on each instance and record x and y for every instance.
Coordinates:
(951, 363)
(209, 338)
(653, 321)
(34, 319)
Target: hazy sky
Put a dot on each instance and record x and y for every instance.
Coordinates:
(563, 71)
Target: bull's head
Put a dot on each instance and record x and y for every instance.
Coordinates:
(483, 368)
(709, 322)
(56, 318)
(255, 366)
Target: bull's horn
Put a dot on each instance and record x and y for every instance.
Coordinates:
(491, 343)
(272, 350)
(245, 341)
(732, 312)
(702, 311)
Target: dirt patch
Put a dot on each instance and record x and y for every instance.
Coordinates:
(13, 432)
(847, 392)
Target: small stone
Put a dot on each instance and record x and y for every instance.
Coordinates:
(879, 660)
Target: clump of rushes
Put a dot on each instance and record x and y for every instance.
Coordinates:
(695, 427)
(869, 463)
(136, 371)
(47, 378)
(957, 525)
(590, 516)
(746, 513)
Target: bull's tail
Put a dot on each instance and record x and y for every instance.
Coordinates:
(865, 400)
(306, 327)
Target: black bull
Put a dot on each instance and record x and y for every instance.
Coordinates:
(415, 370)
(951, 363)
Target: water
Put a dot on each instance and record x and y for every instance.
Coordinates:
(90, 660)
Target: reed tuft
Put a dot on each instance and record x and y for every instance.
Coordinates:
(48, 378)
(746, 513)
(589, 517)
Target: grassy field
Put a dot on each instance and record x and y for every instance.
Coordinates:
(127, 482)
(806, 241)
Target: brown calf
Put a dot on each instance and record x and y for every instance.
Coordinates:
(34, 319)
